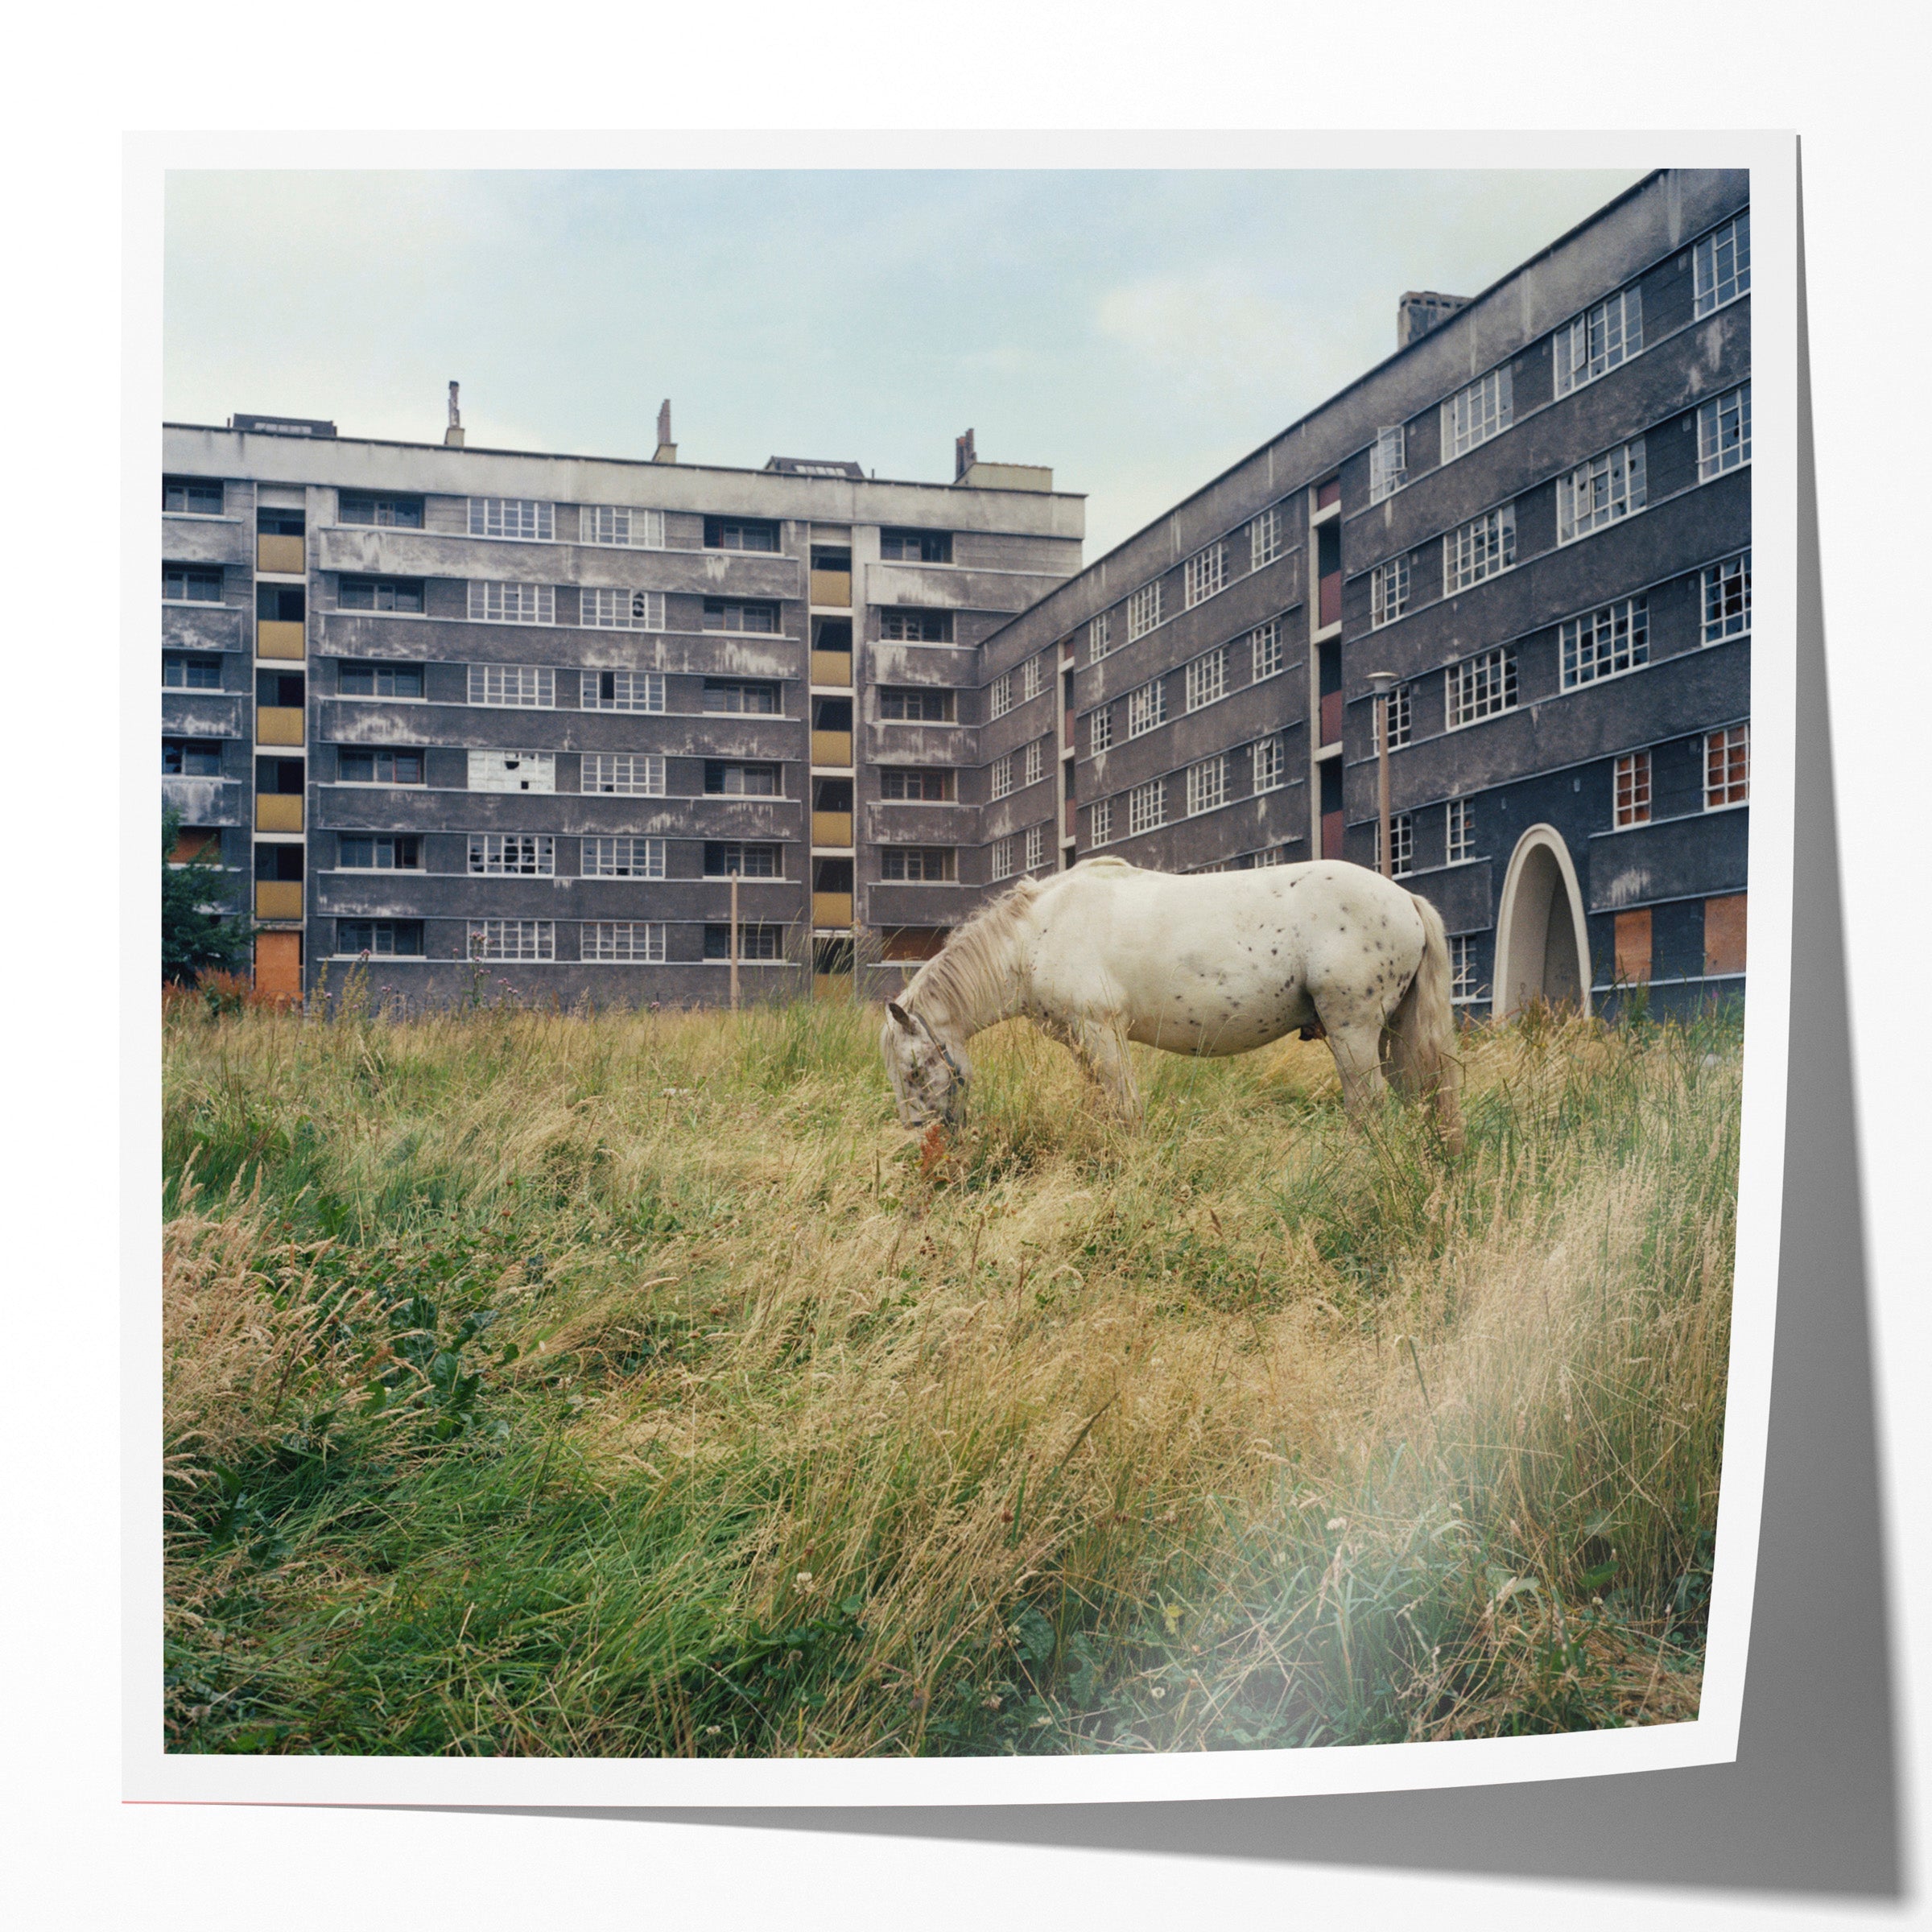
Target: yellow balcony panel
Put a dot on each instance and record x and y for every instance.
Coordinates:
(831, 828)
(831, 986)
(278, 811)
(277, 639)
(279, 723)
(832, 667)
(831, 748)
(832, 586)
(831, 909)
(284, 556)
(278, 898)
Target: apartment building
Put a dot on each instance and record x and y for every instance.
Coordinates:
(471, 717)
(1534, 521)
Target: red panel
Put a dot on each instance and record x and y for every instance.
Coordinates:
(1331, 599)
(1331, 717)
(1331, 835)
(1069, 716)
(1330, 492)
(1070, 811)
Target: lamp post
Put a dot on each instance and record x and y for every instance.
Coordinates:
(734, 939)
(1380, 681)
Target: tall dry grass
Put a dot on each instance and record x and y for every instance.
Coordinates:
(1247, 1429)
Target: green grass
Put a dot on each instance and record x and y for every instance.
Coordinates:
(631, 1384)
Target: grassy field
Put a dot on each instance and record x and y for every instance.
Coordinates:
(631, 1384)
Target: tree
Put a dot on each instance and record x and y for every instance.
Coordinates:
(194, 941)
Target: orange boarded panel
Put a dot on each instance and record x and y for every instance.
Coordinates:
(909, 943)
(193, 841)
(279, 965)
(1633, 946)
(1724, 934)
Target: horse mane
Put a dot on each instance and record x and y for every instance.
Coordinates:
(967, 975)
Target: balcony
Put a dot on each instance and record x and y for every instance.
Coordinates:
(274, 637)
(283, 556)
(278, 811)
(278, 898)
(832, 667)
(279, 723)
(832, 747)
(831, 828)
(1330, 612)
(1331, 717)
(832, 588)
(831, 909)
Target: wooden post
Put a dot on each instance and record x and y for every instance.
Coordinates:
(734, 941)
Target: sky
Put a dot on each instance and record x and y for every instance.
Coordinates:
(1136, 331)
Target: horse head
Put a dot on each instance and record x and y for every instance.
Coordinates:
(929, 1077)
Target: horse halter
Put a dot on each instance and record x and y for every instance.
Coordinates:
(961, 1078)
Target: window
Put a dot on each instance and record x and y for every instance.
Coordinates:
(1275, 855)
(1597, 341)
(623, 858)
(1481, 687)
(725, 613)
(1265, 538)
(615, 525)
(999, 700)
(916, 864)
(512, 938)
(901, 781)
(1459, 843)
(1728, 599)
(724, 859)
(755, 942)
(906, 626)
(1723, 433)
(1032, 677)
(1204, 574)
(916, 545)
(380, 593)
(1207, 679)
(629, 774)
(1001, 778)
(1402, 842)
(1727, 766)
(525, 687)
(733, 697)
(385, 513)
(1265, 642)
(1099, 824)
(915, 706)
(622, 691)
(383, 851)
(1600, 491)
(1607, 642)
(731, 780)
(517, 517)
(1461, 966)
(623, 942)
(1270, 763)
(1147, 806)
(379, 939)
(1473, 416)
(514, 771)
(358, 767)
(182, 584)
(1036, 847)
(1146, 707)
(360, 678)
(1721, 265)
(522, 855)
(188, 496)
(1401, 712)
(1207, 785)
(1099, 632)
(512, 604)
(622, 609)
(1387, 592)
(1483, 547)
(1099, 731)
(191, 758)
(1004, 862)
(1143, 610)
(1630, 789)
(1035, 761)
(1388, 464)
(182, 673)
(740, 533)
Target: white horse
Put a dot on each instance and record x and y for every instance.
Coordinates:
(1217, 963)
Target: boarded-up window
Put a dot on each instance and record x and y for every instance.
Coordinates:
(1724, 934)
(1633, 946)
(911, 942)
(279, 965)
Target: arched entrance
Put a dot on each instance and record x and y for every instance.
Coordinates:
(1542, 945)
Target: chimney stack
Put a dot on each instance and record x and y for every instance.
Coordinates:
(1421, 310)
(453, 436)
(667, 450)
(963, 455)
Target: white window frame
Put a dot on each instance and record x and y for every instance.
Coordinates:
(1721, 266)
(1602, 338)
(1387, 462)
(1718, 798)
(999, 783)
(1035, 762)
(1147, 808)
(618, 526)
(1100, 631)
(499, 770)
(1032, 677)
(1100, 730)
(524, 942)
(633, 691)
(999, 700)
(1265, 537)
(622, 856)
(623, 942)
(1480, 549)
(623, 774)
(1388, 587)
(1474, 414)
(1207, 785)
(1274, 855)
(1099, 822)
(1609, 641)
(1714, 459)
(1401, 840)
(512, 855)
(606, 609)
(1204, 575)
(1462, 967)
(1633, 790)
(513, 519)
(1270, 653)
(1402, 719)
(1458, 834)
(1487, 684)
(1717, 580)
(513, 687)
(1146, 707)
(1269, 764)
(1144, 610)
(1003, 856)
(1603, 491)
(1206, 679)
(491, 602)
(1036, 847)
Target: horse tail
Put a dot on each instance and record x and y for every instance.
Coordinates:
(1422, 1059)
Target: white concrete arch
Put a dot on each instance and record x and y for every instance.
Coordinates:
(1542, 940)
